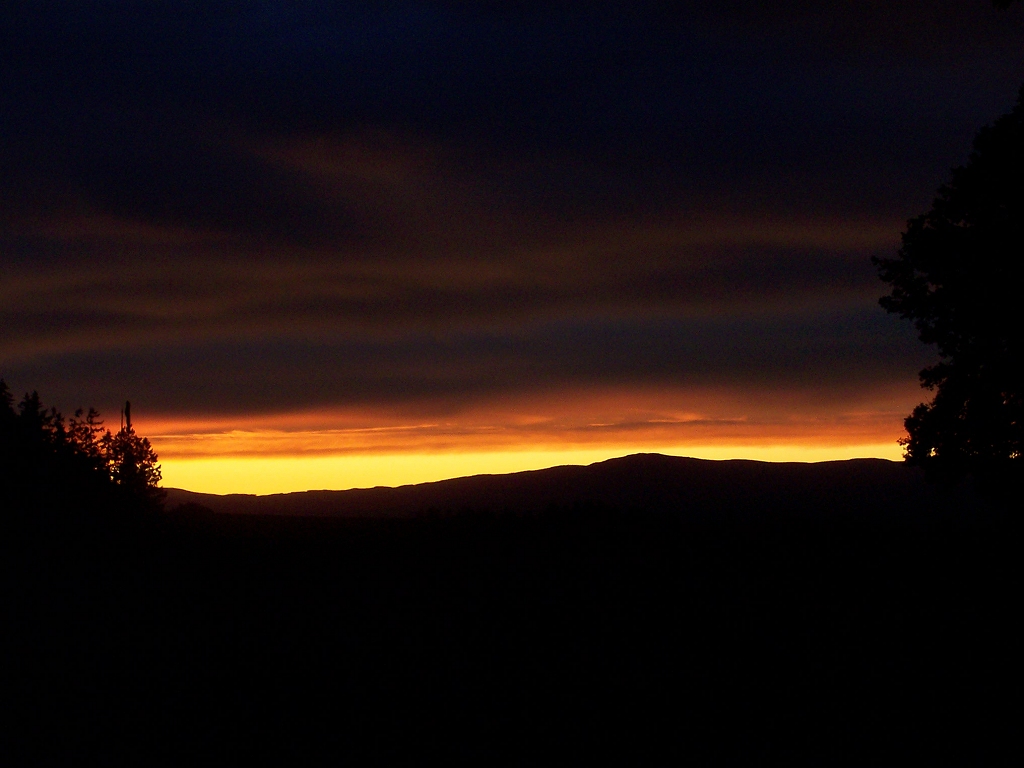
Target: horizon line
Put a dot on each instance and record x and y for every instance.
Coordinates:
(273, 475)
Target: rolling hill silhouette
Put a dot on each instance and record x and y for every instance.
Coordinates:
(652, 483)
(648, 610)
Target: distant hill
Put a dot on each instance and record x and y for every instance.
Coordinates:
(651, 482)
(648, 610)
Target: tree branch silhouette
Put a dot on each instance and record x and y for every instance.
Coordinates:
(49, 462)
(958, 277)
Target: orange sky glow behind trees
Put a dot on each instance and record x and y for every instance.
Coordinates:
(333, 245)
(336, 449)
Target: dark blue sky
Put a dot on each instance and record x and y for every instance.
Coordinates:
(255, 207)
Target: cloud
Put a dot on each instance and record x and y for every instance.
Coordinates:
(429, 208)
(820, 355)
(571, 111)
(119, 284)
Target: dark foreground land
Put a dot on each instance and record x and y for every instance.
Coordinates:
(647, 610)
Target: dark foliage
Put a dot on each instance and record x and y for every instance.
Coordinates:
(728, 628)
(49, 463)
(958, 277)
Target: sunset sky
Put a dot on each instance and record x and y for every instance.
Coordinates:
(327, 245)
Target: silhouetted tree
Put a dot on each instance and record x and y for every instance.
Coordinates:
(958, 276)
(84, 435)
(131, 462)
(46, 461)
(8, 420)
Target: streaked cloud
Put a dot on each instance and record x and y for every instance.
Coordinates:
(413, 226)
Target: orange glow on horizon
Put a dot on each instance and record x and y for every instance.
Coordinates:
(285, 474)
(338, 449)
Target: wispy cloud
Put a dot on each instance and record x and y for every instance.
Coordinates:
(430, 224)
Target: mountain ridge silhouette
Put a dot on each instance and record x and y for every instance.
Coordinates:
(649, 481)
(842, 613)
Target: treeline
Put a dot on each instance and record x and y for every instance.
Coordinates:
(48, 462)
(600, 631)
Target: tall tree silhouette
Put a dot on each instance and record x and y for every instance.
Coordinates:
(131, 461)
(958, 277)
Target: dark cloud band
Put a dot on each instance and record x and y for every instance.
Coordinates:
(398, 205)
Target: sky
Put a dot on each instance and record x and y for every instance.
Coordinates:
(331, 245)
